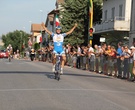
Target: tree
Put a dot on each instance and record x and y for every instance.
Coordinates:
(113, 39)
(76, 11)
(97, 10)
(36, 46)
(17, 39)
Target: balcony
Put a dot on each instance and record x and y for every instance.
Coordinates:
(116, 24)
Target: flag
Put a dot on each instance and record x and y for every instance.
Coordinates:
(40, 39)
(57, 22)
(90, 13)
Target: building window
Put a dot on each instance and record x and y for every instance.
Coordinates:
(113, 13)
(105, 15)
(120, 11)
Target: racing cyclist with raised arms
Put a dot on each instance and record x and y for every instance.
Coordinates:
(58, 39)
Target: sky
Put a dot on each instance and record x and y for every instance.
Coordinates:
(20, 14)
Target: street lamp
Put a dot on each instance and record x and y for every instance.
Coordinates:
(20, 42)
(41, 28)
(30, 38)
(41, 14)
(24, 38)
(30, 26)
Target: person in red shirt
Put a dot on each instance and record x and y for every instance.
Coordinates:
(113, 55)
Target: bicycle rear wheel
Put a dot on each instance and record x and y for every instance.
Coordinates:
(58, 77)
(59, 70)
(57, 73)
(9, 59)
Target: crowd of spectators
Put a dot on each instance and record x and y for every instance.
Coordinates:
(104, 59)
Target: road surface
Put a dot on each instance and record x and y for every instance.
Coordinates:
(26, 85)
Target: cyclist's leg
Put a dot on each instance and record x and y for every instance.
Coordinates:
(8, 55)
(63, 60)
(54, 60)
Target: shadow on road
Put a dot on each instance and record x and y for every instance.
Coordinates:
(51, 75)
(23, 72)
(84, 75)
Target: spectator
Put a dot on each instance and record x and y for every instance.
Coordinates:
(91, 56)
(74, 56)
(104, 48)
(109, 60)
(126, 53)
(100, 59)
(97, 54)
(78, 57)
(133, 53)
(119, 53)
(113, 69)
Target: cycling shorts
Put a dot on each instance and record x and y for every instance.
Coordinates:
(59, 52)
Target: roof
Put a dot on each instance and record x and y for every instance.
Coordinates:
(54, 11)
(36, 27)
(60, 1)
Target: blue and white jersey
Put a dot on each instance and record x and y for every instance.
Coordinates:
(58, 42)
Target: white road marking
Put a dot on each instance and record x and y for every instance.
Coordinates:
(43, 89)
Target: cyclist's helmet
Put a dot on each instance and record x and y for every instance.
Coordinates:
(58, 27)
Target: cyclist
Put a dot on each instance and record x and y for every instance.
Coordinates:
(32, 54)
(9, 50)
(58, 39)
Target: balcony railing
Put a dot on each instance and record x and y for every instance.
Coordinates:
(118, 23)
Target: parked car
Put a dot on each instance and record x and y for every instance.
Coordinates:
(3, 54)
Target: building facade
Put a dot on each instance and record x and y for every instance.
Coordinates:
(132, 25)
(50, 20)
(116, 16)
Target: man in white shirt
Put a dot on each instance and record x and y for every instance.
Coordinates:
(91, 56)
(78, 57)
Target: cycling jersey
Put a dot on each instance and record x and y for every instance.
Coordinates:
(58, 43)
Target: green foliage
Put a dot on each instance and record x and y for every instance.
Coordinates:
(97, 10)
(36, 46)
(76, 11)
(113, 39)
(16, 39)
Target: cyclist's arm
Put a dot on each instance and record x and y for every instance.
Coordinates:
(69, 32)
(49, 32)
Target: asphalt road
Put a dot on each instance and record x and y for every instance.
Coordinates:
(26, 85)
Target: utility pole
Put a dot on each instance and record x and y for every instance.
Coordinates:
(41, 30)
(90, 27)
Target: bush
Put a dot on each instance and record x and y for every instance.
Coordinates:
(36, 46)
